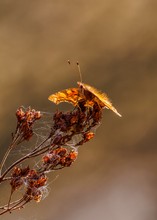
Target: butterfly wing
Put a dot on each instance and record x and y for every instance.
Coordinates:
(101, 98)
(71, 95)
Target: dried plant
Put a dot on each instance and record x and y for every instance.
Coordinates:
(59, 149)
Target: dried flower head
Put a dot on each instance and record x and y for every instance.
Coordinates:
(59, 158)
(18, 175)
(34, 183)
(25, 122)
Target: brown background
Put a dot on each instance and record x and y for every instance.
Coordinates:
(115, 176)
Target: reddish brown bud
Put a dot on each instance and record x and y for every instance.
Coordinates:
(88, 136)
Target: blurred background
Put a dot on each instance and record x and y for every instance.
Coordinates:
(115, 175)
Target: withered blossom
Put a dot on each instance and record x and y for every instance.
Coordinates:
(25, 122)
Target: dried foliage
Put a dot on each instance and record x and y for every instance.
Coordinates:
(59, 149)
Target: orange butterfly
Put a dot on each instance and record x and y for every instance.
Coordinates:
(83, 92)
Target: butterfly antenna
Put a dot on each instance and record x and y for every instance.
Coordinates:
(69, 62)
(79, 69)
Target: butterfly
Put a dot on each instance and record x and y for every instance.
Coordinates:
(84, 92)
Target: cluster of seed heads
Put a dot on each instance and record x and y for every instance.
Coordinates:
(58, 150)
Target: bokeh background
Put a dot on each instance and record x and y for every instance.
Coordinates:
(115, 175)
